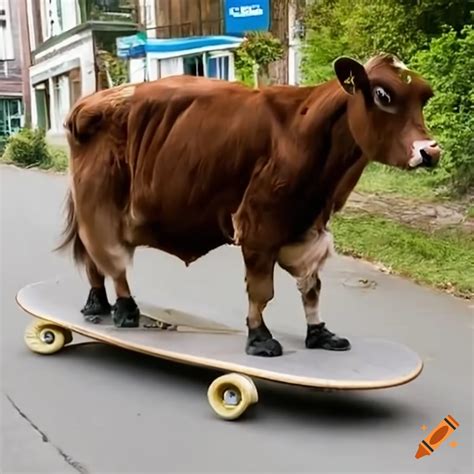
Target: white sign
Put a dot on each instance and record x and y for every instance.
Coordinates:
(245, 12)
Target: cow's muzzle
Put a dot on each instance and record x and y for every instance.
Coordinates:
(425, 153)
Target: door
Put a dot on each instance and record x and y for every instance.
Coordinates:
(42, 106)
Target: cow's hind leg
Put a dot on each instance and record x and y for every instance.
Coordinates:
(111, 257)
(259, 279)
(126, 313)
(317, 334)
(97, 303)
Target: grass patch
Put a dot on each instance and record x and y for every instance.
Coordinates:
(443, 259)
(383, 179)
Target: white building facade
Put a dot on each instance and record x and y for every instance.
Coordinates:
(11, 84)
(66, 36)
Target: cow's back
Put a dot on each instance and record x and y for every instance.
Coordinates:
(174, 158)
(193, 146)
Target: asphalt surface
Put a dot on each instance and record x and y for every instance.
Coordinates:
(98, 409)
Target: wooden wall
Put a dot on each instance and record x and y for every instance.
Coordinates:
(188, 18)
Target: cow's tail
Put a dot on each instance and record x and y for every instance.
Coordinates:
(71, 233)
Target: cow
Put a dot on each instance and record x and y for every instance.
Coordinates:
(188, 164)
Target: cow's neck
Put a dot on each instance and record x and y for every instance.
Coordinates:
(334, 161)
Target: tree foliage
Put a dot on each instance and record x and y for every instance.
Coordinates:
(113, 70)
(448, 66)
(260, 49)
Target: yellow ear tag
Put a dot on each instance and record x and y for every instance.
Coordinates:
(350, 80)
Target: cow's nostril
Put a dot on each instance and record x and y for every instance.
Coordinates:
(430, 155)
(426, 157)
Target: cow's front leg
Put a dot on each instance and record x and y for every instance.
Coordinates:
(317, 334)
(259, 278)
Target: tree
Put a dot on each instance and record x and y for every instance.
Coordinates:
(358, 28)
(448, 66)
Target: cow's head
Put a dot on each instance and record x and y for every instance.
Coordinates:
(385, 111)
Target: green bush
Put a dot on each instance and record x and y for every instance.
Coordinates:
(3, 142)
(27, 147)
(244, 67)
(58, 159)
(448, 66)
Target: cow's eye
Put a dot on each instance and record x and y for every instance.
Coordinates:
(383, 100)
(381, 96)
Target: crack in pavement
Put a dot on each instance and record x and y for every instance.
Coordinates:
(74, 464)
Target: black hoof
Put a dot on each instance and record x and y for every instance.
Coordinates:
(318, 337)
(261, 343)
(96, 305)
(125, 313)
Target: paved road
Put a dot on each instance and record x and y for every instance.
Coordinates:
(103, 410)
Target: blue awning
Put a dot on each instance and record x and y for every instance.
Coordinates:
(136, 46)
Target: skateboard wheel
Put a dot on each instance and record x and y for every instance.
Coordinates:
(45, 338)
(231, 394)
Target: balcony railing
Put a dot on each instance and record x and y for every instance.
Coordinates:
(110, 10)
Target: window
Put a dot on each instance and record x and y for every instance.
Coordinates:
(218, 65)
(61, 15)
(6, 39)
(62, 99)
(193, 65)
(171, 67)
(75, 85)
(42, 105)
(11, 116)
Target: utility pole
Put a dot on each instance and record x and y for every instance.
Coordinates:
(25, 58)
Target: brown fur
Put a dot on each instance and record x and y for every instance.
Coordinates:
(186, 164)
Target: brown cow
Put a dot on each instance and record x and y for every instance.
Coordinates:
(187, 164)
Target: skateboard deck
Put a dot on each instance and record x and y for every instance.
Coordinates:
(191, 339)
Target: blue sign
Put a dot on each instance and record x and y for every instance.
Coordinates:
(246, 15)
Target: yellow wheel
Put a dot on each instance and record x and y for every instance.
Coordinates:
(46, 338)
(231, 394)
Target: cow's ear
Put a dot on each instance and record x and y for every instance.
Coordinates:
(351, 75)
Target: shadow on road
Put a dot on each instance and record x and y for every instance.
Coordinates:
(340, 409)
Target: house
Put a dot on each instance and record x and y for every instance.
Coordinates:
(67, 39)
(154, 58)
(11, 104)
(165, 19)
(73, 43)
